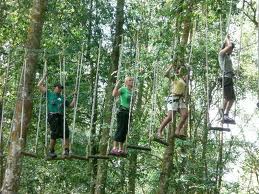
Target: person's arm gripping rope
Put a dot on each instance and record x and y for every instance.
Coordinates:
(115, 91)
(41, 86)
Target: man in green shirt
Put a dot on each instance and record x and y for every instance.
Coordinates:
(56, 103)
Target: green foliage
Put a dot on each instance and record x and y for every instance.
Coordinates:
(151, 33)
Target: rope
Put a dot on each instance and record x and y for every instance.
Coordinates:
(258, 50)
(94, 98)
(78, 79)
(229, 16)
(23, 94)
(153, 99)
(40, 109)
(132, 93)
(239, 52)
(64, 103)
(46, 112)
(3, 99)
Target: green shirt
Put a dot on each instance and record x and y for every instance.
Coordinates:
(55, 102)
(125, 97)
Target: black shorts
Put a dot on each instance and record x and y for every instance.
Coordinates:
(56, 126)
(122, 125)
(229, 92)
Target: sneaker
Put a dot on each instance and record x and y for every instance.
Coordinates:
(66, 153)
(227, 119)
(52, 155)
(114, 152)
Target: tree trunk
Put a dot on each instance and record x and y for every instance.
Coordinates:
(134, 156)
(24, 98)
(167, 164)
(102, 164)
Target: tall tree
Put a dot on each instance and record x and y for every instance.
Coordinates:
(103, 165)
(24, 99)
(167, 164)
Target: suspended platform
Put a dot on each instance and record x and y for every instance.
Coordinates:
(33, 155)
(160, 140)
(98, 157)
(232, 122)
(137, 147)
(119, 156)
(219, 129)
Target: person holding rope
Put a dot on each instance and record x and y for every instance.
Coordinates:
(123, 115)
(56, 101)
(225, 63)
(176, 101)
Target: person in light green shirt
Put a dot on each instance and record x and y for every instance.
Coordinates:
(56, 103)
(125, 95)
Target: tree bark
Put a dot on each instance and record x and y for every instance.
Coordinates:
(134, 156)
(167, 164)
(102, 168)
(24, 98)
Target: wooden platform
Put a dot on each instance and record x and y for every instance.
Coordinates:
(29, 154)
(98, 157)
(219, 129)
(159, 140)
(137, 147)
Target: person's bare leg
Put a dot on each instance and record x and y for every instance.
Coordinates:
(115, 144)
(66, 144)
(229, 105)
(166, 120)
(120, 146)
(225, 105)
(184, 115)
(52, 145)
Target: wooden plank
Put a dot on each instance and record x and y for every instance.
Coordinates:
(98, 157)
(119, 156)
(33, 155)
(159, 140)
(219, 129)
(232, 122)
(73, 156)
(137, 147)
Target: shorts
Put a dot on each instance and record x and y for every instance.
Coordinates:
(229, 92)
(56, 126)
(174, 103)
(122, 125)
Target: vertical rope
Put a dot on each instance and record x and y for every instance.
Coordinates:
(64, 99)
(3, 100)
(94, 98)
(132, 93)
(258, 49)
(40, 109)
(23, 94)
(239, 53)
(77, 90)
(153, 99)
(229, 17)
(46, 111)
(189, 78)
